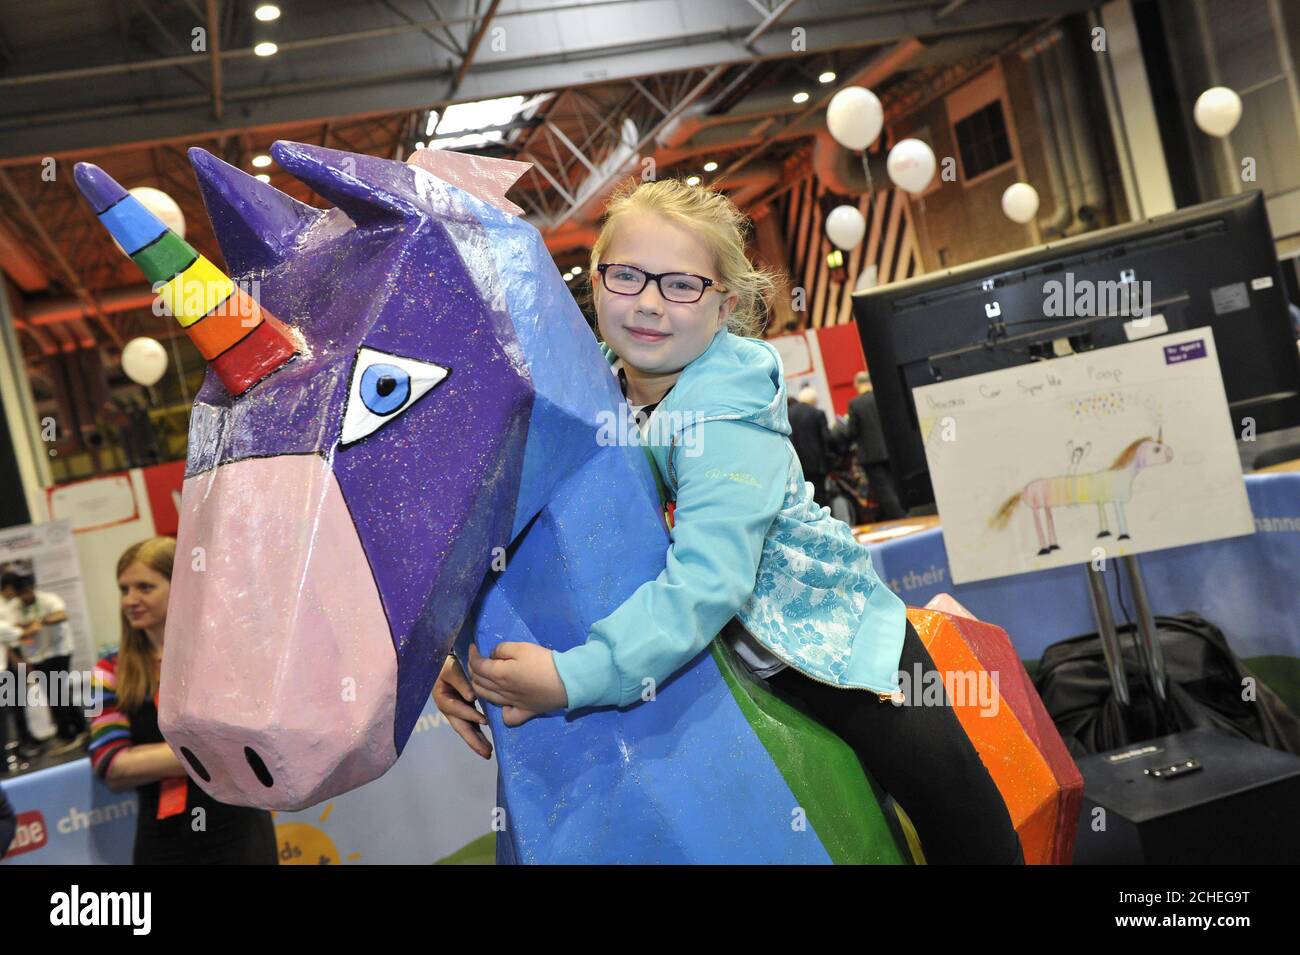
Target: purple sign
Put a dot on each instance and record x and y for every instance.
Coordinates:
(1184, 352)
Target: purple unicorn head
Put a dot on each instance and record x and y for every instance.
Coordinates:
(339, 517)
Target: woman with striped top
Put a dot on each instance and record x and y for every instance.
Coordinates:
(127, 750)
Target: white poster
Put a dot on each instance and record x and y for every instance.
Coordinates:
(95, 503)
(48, 551)
(801, 361)
(1088, 457)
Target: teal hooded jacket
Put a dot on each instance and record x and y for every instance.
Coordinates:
(747, 541)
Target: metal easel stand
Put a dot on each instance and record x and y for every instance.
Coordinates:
(1148, 644)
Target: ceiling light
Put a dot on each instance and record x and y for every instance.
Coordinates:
(568, 276)
(692, 180)
(267, 12)
(265, 48)
(800, 97)
(827, 77)
(710, 166)
(577, 270)
(261, 160)
(263, 177)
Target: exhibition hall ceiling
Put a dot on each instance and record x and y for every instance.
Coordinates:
(730, 90)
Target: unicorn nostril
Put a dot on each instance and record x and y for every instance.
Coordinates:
(259, 768)
(196, 764)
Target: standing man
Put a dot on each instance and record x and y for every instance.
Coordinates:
(47, 647)
(21, 739)
(811, 436)
(864, 430)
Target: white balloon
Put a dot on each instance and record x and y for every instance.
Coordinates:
(911, 165)
(845, 227)
(1217, 111)
(144, 360)
(868, 278)
(1020, 202)
(855, 117)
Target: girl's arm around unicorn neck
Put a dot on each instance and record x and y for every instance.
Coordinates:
(727, 497)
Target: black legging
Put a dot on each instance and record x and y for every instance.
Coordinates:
(13, 712)
(923, 758)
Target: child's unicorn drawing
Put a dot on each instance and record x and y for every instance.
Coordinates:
(1113, 486)
(396, 450)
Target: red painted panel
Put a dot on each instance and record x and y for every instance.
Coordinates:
(842, 358)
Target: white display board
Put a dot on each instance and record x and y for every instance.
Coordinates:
(801, 361)
(1096, 455)
(50, 553)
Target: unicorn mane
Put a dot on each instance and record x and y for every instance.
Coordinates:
(1128, 454)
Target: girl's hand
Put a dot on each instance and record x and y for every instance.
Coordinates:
(519, 677)
(455, 700)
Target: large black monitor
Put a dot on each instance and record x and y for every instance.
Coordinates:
(1213, 264)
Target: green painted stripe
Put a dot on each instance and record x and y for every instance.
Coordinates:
(843, 806)
(481, 851)
(162, 259)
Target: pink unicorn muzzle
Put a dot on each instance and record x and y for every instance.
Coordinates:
(279, 675)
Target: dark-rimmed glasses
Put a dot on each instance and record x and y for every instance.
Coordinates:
(683, 288)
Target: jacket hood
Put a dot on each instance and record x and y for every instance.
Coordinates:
(735, 378)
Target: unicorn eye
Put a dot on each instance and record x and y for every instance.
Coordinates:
(382, 387)
(385, 388)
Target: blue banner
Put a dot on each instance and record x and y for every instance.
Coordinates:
(435, 801)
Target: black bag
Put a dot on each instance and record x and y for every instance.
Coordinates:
(1205, 690)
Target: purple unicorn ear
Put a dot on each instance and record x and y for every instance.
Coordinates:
(368, 189)
(255, 223)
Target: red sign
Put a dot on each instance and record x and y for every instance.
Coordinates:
(162, 483)
(841, 359)
(30, 835)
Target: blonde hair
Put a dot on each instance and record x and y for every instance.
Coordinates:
(135, 655)
(715, 219)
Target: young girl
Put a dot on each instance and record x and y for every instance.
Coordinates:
(752, 559)
(127, 749)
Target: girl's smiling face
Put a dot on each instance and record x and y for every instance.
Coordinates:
(651, 334)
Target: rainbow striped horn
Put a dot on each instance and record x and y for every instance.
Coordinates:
(242, 341)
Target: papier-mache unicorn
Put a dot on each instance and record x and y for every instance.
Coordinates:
(398, 449)
(403, 399)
